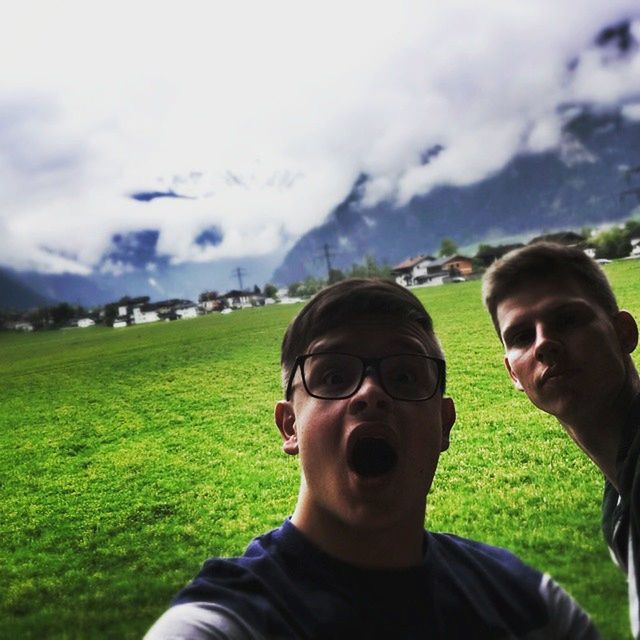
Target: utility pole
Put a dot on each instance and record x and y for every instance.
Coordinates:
(327, 255)
(239, 272)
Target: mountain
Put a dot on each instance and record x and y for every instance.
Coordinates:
(64, 287)
(592, 178)
(142, 273)
(17, 296)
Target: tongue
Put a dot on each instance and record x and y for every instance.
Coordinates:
(372, 457)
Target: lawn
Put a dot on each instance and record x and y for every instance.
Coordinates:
(129, 456)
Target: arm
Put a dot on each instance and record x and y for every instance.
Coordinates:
(567, 621)
(200, 621)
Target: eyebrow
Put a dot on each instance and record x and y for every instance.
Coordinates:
(519, 324)
(399, 346)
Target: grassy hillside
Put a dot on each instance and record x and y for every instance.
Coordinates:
(129, 456)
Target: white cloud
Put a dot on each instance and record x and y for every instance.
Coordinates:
(631, 111)
(266, 113)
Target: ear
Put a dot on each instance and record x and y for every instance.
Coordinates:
(627, 330)
(512, 375)
(448, 417)
(286, 420)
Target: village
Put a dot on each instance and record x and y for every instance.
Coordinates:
(424, 270)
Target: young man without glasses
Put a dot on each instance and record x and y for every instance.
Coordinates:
(364, 408)
(568, 347)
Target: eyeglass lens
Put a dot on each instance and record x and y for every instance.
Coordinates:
(337, 375)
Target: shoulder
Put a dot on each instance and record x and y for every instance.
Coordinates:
(200, 621)
(234, 576)
(497, 579)
(479, 555)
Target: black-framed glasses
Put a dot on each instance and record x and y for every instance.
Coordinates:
(403, 376)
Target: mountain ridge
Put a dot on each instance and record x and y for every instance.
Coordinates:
(592, 178)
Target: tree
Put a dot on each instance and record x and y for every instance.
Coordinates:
(370, 269)
(335, 275)
(612, 243)
(632, 228)
(310, 286)
(62, 313)
(110, 313)
(447, 247)
(294, 289)
(208, 295)
(40, 318)
(270, 290)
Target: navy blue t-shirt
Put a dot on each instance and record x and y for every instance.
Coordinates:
(285, 587)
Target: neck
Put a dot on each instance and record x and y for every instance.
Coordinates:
(598, 433)
(368, 545)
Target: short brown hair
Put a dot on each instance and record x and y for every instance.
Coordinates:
(540, 261)
(337, 305)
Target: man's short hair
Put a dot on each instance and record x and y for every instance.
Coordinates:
(540, 261)
(337, 305)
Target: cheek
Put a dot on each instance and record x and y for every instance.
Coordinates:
(425, 443)
(319, 426)
(516, 363)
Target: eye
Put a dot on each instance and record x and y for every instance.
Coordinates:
(333, 377)
(404, 376)
(520, 338)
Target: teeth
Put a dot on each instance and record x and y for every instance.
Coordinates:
(372, 457)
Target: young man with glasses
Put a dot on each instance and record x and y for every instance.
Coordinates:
(568, 347)
(364, 378)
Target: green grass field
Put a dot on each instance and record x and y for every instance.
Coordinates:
(129, 456)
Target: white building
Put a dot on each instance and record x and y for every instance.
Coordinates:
(410, 270)
(144, 317)
(187, 312)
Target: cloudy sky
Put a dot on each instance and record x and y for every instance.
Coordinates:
(264, 113)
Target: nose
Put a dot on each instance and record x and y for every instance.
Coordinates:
(548, 348)
(370, 394)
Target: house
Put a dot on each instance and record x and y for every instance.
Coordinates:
(242, 299)
(407, 272)
(444, 268)
(635, 247)
(172, 309)
(429, 270)
(143, 314)
(20, 325)
(125, 310)
(141, 311)
(210, 301)
(187, 311)
(457, 265)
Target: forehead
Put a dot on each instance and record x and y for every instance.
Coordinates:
(370, 338)
(539, 295)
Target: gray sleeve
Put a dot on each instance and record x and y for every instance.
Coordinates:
(567, 621)
(200, 621)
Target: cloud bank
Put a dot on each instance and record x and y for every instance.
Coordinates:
(263, 114)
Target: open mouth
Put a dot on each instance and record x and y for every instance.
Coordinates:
(371, 457)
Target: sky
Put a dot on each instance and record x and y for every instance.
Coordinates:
(263, 114)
